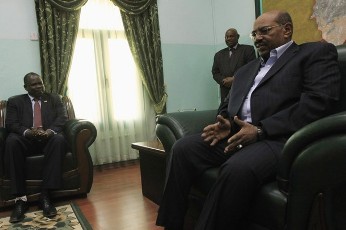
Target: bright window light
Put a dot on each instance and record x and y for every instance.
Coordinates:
(103, 69)
(123, 80)
(100, 15)
(83, 81)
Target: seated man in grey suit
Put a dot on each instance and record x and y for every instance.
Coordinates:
(228, 60)
(34, 122)
(286, 88)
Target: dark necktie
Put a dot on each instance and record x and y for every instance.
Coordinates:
(231, 51)
(37, 114)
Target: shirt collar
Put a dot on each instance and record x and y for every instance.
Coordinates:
(279, 50)
(234, 47)
(32, 98)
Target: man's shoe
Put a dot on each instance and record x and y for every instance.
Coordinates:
(47, 207)
(19, 210)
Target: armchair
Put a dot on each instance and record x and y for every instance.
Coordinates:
(310, 189)
(77, 167)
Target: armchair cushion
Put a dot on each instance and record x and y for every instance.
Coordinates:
(173, 126)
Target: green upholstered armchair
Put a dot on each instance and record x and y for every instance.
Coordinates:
(77, 167)
(310, 190)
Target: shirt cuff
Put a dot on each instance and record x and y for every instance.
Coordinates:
(52, 131)
(25, 132)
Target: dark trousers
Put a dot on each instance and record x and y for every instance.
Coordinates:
(17, 148)
(240, 177)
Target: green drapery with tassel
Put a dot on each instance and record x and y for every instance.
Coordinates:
(58, 26)
(141, 24)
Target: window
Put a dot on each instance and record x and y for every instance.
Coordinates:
(105, 87)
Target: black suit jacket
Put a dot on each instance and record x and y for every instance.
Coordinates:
(19, 113)
(301, 87)
(225, 66)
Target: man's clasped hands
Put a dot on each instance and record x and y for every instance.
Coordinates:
(39, 134)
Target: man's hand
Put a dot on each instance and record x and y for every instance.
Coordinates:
(227, 81)
(29, 134)
(39, 134)
(246, 135)
(218, 131)
(49, 133)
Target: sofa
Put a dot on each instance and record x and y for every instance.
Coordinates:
(77, 166)
(309, 192)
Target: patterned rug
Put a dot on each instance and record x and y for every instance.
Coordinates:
(69, 217)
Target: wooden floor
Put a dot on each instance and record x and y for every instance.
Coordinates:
(115, 200)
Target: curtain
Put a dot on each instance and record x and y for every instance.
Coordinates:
(105, 86)
(58, 26)
(141, 23)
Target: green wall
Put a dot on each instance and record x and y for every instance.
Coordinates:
(17, 57)
(18, 53)
(191, 32)
(187, 70)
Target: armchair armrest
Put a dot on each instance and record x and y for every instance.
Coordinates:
(80, 134)
(74, 127)
(298, 144)
(3, 134)
(313, 167)
(172, 126)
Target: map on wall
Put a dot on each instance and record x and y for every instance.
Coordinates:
(314, 20)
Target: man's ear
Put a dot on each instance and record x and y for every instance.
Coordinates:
(288, 27)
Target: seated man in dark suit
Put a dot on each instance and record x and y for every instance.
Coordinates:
(286, 88)
(31, 131)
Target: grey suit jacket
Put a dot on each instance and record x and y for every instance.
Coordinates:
(19, 113)
(301, 87)
(225, 66)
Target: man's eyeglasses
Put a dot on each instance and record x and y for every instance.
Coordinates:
(262, 31)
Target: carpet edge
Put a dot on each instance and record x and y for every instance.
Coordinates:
(81, 218)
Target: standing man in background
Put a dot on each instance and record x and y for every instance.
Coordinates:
(228, 60)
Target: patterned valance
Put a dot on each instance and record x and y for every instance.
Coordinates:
(133, 6)
(67, 5)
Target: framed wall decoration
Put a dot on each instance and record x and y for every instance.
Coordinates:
(313, 20)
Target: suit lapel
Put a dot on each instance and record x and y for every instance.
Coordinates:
(241, 90)
(226, 54)
(284, 58)
(28, 103)
(27, 111)
(252, 73)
